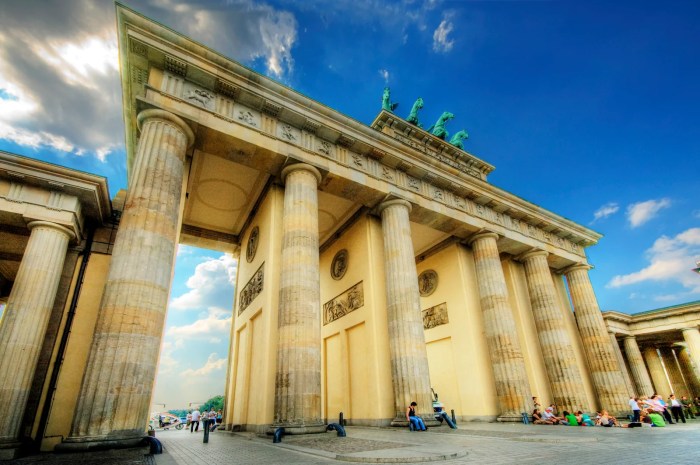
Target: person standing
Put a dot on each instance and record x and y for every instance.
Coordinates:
(687, 407)
(634, 405)
(194, 426)
(676, 408)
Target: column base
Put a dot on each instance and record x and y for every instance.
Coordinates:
(10, 450)
(98, 443)
(298, 429)
(510, 418)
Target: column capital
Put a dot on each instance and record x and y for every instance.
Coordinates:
(166, 116)
(690, 328)
(388, 203)
(482, 235)
(56, 226)
(523, 257)
(301, 166)
(575, 267)
(629, 336)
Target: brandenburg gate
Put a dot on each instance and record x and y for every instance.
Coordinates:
(375, 262)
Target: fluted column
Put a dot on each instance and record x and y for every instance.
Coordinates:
(298, 378)
(409, 357)
(656, 371)
(24, 323)
(692, 340)
(621, 361)
(639, 370)
(114, 402)
(678, 386)
(512, 385)
(602, 361)
(689, 371)
(559, 357)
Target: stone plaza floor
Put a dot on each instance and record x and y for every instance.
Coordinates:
(487, 443)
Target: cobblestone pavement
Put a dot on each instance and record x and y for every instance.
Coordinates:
(483, 443)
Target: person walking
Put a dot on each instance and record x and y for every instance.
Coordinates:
(676, 408)
(194, 426)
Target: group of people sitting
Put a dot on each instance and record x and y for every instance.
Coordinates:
(653, 410)
(549, 417)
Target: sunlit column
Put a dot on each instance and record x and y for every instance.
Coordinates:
(298, 378)
(689, 371)
(24, 322)
(692, 340)
(637, 367)
(678, 386)
(114, 402)
(557, 349)
(512, 385)
(602, 361)
(409, 357)
(621, 361)
(656, 371)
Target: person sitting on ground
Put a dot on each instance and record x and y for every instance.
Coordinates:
(570, 418)
(548, 415)
(585, 419)
(656, 419)
(607, 420)
(537, 418)
(414, 419)
(579, 418)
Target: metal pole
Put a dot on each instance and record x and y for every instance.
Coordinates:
(206, 431)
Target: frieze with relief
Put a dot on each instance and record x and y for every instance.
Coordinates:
(345, 303)
(198, 96)
(435, 316)
(252, 289)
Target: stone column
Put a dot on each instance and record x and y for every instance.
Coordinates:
(409, 357)
(689, 371)
(621, 361)
(298, 378)
(656, 371)
(512, 385)
(639, 370)
(678, 386)
(559, 358)
(692, 340)
(602, 361)
(114, 402)
(24, 323)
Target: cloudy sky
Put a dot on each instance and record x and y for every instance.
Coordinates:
(589, 109)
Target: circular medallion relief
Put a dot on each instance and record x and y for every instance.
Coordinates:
(252, 244)
(427, 282)
(339, 265)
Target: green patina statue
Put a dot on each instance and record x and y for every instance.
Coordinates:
(413, 116)
(386, 101)
(438, 129)
(458, 138)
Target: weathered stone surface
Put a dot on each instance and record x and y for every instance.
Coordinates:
(621, 362)
(26, 316)
(678, 386)
(656, 370)
(298, 378)
(602, 361)
(559, 357)
(689, 372)
(117, 386)
(512, 385)
(409, 359)
(639, 370)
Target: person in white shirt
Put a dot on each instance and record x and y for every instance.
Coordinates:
(634, 405)
(194, 426)
(676, 408)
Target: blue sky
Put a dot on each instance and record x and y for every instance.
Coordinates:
(588, 109)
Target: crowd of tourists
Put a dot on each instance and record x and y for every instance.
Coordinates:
(194, 417)
(652, 411)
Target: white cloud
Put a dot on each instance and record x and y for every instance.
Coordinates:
(441, 40)
(213, 328)
(641, 212)
(167, 363)
(605, 211)
(212, 283)
(385, 75)
(671, 259)
(212, 364)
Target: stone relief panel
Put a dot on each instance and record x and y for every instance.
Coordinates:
(247, 116)
(324, 147)
(199, 96)
(252, 246)
(252, 289)
(288, 133)
(427, 282)
(435, 316)
(347, 302)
